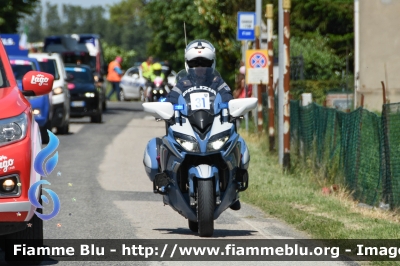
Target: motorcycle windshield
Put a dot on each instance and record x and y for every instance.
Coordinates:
(200, 96)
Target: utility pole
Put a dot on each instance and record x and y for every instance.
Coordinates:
(286, 85)
(269, 14)
(280, 80)
(356, 50)
(259, 90)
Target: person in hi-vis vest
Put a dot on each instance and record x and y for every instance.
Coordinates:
(147, 68)
(114, 76)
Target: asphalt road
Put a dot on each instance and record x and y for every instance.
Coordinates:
(106, 194)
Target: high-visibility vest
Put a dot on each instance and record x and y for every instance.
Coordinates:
(146, 70)
(113, 75)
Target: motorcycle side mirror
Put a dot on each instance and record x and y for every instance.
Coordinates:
(161, 110)
(239, 107)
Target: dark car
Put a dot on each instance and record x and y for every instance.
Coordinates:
(86, 97)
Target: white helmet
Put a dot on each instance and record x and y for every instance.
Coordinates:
(199, 53)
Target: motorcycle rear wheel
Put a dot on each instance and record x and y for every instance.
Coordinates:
(205, 207)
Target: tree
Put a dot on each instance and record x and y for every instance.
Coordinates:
(128, 27)
(326, 24)
(34, 25)
(93, 20)
(320, 61)
(220, 18)
(166, 20)
(72, 19)
(112, 51)
(11, 11)
(330, 18)
(53, 20)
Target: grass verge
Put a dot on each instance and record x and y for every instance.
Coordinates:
(297, 199)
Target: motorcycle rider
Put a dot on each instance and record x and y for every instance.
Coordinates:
(201, 54)
(155, 72)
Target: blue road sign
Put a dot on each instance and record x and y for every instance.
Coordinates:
(246, 23)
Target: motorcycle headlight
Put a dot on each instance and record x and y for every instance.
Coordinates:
(161, 91)
(13, 129)
(218, 141)
(57, 91)
(187, 142)
(155, 91)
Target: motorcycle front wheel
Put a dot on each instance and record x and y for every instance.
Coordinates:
(205, 207)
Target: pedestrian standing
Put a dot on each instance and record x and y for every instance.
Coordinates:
(114, 77)
(241, 88)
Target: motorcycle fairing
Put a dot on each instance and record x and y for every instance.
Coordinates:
(245, 154)
(184, 167)
(150, 158)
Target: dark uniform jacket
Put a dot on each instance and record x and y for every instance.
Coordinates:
(203, 80)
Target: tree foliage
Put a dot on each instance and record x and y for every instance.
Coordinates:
(112, 51)
(35, 33)
(332, 19)
(53, 20)
(134, 33)
(11, 11)
(321, 30)
(166, 20)
(320, 61)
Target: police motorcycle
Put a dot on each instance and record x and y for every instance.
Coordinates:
(158, 89)
(200, 165)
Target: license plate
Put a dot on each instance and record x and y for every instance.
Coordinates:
(78, 104)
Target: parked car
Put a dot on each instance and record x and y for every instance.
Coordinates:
(20, 142)
(41, 105)
(86, 48)
(86, 97)
(133, 85)
(52, 63)
(85, 59)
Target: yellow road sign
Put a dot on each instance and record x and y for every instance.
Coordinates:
(257, 66)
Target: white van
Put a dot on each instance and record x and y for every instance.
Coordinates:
(60, 98)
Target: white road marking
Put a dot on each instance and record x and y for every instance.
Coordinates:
(149, 117)
(75, 128)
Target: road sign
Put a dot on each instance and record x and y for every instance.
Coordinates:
(257, 66)
(246, 22)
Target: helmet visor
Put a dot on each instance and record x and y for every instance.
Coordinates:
(200, 62)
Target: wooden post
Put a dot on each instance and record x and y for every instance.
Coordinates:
(259, 90)
(269, 14)
(286, 85)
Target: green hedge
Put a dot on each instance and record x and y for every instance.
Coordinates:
(318, 88)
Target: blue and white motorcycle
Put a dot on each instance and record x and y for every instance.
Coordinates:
(200, 166)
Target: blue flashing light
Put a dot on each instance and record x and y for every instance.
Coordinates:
(178, 107)
(223, 105)
(162, 99)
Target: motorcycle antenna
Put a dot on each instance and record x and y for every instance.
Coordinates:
(184, 29)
